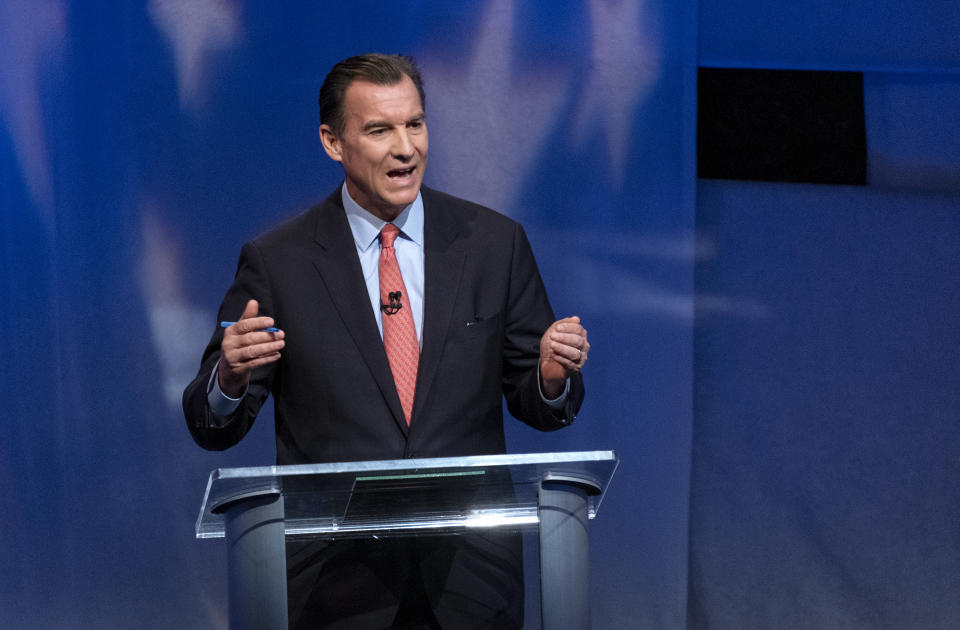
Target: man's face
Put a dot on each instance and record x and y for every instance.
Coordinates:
(383, 147)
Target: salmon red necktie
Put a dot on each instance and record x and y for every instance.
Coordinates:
(399, 334)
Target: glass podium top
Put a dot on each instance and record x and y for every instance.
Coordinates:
(407, 496)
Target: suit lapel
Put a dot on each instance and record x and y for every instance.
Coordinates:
(443, 265)
(336, 261)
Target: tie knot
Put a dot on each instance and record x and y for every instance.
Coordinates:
(388, 234)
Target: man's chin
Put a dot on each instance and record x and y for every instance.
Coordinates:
(402, 199)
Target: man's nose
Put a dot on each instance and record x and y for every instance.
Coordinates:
(402, 144)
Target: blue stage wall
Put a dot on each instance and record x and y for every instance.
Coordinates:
(825, 448)
(824, 466)
(772, 363)
(142, 143)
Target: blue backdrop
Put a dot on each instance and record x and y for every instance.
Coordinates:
(142, 143)
(824, 464)
(775, 364)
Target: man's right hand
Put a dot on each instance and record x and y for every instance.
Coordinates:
(246, 346)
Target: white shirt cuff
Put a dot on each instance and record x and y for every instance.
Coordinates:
(221, 405)
(557, 403)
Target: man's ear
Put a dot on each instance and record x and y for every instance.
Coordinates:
(331, 143)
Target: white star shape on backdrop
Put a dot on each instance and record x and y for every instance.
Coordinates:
(195, 29)
(490, 114)
(493, 85)
(177, 327)
(31, 32)
(625, 65)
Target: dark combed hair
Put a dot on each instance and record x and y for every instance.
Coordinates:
(375, 68)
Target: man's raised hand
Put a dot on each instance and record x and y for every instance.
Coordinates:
(563, 351)
(246, 346)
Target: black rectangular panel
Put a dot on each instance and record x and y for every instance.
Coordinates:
(781, 125)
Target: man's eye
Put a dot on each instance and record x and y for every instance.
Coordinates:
(415, 124)
(378, 132)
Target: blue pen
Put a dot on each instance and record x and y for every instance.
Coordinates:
(271, 329)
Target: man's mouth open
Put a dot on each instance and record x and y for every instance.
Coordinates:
(400, 174)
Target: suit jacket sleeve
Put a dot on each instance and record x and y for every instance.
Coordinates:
(528, 316)
(250, 282)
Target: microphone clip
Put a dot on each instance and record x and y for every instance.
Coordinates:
(395, 305)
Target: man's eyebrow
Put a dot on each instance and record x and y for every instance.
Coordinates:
(383, 124)
(376, 124)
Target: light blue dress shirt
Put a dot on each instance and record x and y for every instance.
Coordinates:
(408, 247)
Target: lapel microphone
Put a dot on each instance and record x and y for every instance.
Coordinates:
(395, 305)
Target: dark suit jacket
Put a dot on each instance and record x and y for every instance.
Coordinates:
(485, 309)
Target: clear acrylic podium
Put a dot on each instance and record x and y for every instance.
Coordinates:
(255, 509)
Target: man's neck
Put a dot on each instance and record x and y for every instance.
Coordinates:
(387, 214)
(365, 225)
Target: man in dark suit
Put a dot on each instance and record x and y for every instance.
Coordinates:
(405, 315)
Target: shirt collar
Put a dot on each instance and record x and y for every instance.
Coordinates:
(366, 227)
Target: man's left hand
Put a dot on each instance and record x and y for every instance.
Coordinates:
(563, 351)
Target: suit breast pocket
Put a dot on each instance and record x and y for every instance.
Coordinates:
(479, 327)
